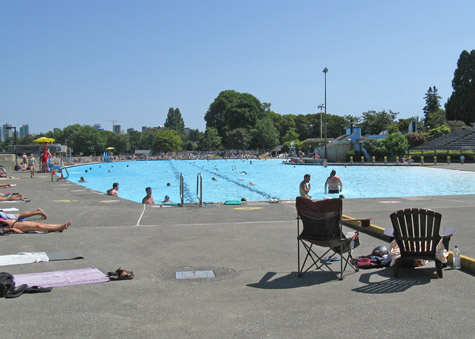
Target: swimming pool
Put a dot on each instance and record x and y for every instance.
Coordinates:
(272, 179)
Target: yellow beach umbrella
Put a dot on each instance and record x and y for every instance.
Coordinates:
(110, 148)
(44, 139)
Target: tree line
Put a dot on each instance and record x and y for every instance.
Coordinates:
(239, 121)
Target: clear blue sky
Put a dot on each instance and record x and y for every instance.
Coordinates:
(87, 62)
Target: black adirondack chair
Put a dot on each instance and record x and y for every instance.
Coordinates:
(416, 232)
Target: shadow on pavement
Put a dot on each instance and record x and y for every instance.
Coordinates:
(291, 280)
(394, 285)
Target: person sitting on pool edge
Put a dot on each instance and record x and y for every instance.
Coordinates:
(113, 190)
(305, 187)
(148, 199)
(333, 183)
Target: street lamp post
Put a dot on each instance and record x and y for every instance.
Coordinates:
(320, 107)
(325, 70)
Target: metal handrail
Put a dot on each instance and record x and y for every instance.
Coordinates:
(59, 170)
(182, 198)
(199, 188)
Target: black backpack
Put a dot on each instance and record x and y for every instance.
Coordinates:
(8, 289)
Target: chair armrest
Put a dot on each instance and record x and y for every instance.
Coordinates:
(448, 232)
(389, 232)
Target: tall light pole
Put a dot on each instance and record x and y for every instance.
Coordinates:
(325, 70)
(320, 107)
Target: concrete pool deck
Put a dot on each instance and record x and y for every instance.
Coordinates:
(252, 250)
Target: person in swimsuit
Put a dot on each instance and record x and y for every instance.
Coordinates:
(114, 189)
(15, 226)
(148, 199)
(23, 215)
(333, 183)
(305, 187)
(31, 165)
(13, 197)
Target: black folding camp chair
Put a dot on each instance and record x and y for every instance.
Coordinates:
(321, 221)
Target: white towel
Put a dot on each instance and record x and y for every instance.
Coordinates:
(23, 258)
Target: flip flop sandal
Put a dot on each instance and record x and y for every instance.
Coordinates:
(121, 274)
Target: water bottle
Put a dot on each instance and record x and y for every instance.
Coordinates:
(456, 258)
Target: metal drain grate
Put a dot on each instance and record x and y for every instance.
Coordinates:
(195, 275)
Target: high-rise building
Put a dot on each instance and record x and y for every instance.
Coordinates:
(24, 130)
(116, 129)
(98, 127)
(144, 128)
(130, 130)
(7, 133)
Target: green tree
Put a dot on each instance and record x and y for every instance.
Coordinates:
(376, 122)
(372, 146)
(166, 140)
(84, 139)
(210, 140)
(265, 135)
(27, 140)
(432, 99)
(194, 135)
(175, 121)
(121, 143)
(242, 112)
(302, 126)
(238, 138)
(287, 122)
(437, 118)
(395, 144)
(214, 117)
(335, 124)
(291, 135)
(461, 104)
(148, 137)
(135, 140)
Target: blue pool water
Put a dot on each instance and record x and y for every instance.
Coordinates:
(272, 179)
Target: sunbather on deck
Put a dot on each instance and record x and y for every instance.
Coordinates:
(23, 215)
(15, 226)
(13, 197)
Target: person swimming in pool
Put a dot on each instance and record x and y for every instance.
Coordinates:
(148, 199)
(333, 183)
(167, 199)
(114, 189)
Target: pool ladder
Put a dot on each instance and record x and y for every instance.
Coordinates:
(199, 189)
